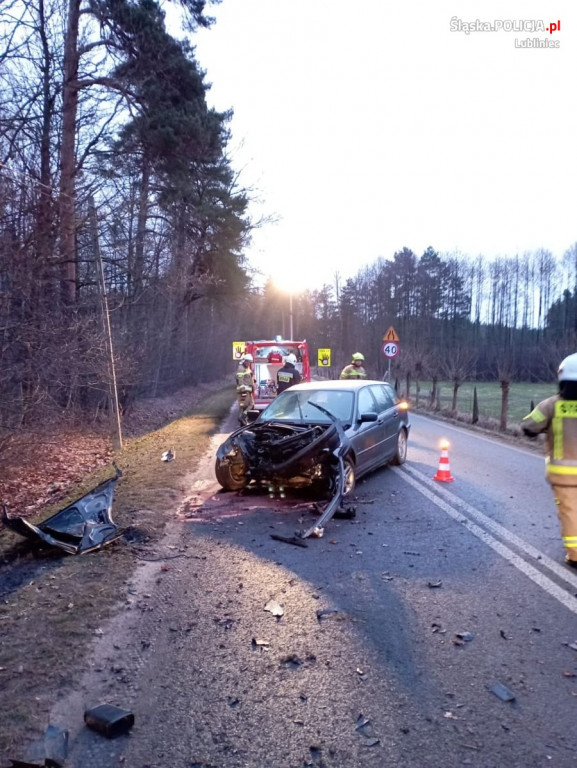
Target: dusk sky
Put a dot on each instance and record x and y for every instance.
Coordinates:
(367, 127)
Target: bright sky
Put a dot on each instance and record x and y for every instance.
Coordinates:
(365, 127)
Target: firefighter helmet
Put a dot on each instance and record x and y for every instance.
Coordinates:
(358, 356)
(568, 368)
(247, 358)
(290, 358)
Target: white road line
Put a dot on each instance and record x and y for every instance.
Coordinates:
(560, 594)
(504, 533)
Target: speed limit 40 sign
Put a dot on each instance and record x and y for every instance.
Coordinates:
(390, 349)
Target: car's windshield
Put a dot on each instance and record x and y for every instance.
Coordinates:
(294, 405)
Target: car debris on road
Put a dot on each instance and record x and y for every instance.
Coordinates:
(83, 526)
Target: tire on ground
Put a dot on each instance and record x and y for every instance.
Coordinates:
(231, 474)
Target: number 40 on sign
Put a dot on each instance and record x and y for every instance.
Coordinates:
(390, 349)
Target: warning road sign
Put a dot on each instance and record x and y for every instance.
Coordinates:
(391, 335)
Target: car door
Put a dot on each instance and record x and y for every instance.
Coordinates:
(366, 437)
(388, 421)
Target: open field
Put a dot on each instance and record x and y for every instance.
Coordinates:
(488, 396)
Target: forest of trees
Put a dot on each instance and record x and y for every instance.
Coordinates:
(123, 226)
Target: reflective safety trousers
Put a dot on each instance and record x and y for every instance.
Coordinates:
(558, 419)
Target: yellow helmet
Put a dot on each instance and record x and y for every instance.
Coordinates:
(358, 356)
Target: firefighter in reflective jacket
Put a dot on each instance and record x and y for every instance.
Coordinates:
(355, 370)
(244, 389)
(557, 417)
(288, 374)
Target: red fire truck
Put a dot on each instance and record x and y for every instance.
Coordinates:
(268, 357)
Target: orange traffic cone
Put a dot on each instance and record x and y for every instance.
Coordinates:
(444, 472)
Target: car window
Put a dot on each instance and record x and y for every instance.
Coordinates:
(293, 405)
(366, 401)
(384, 397)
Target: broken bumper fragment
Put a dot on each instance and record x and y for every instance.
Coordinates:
(81, 527)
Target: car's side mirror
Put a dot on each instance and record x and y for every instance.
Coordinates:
(368, 416)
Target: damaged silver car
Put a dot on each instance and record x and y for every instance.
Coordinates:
(327, 434)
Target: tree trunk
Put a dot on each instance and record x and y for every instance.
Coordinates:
(504, 405)
(68, 156)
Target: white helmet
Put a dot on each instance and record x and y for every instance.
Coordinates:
(290, 358)
(568, 368)
(248, 358)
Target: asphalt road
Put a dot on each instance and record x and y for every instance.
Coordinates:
(431, 597)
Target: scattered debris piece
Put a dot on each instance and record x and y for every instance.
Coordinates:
(345, 514)
(502, 692)
(291, 660)
(316, 532)
(50, 750)
(569, 674)
(437, 628)
(371, 742)
(434, 584)
(466, 637)
(416, 554)
(83, 526)
(168, 455)
(225, 622)
(289, 540)
(573, 646)
(260, 643)
(503, 635)
(362, 722)
(322, 614)
(109, 720)
(450, 716)
(360, 672)
(277, 609)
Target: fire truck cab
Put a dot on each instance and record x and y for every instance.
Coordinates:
(268, 358)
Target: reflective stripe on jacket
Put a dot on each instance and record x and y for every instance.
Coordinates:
(244, 380)
(287, 376)
(353, 372)
(558, 419)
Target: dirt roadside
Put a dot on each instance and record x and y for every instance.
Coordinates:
(53, 606)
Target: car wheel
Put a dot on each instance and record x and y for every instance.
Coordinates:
(231, 474)
(401, 453)
(350, 476)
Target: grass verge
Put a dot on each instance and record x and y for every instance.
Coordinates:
(51, 605)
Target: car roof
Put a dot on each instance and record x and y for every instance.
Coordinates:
(350, 384)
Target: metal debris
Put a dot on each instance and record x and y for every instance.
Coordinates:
(83, 526)
(433, 584)
(168, 455)
(50, 750)
(502, 692)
